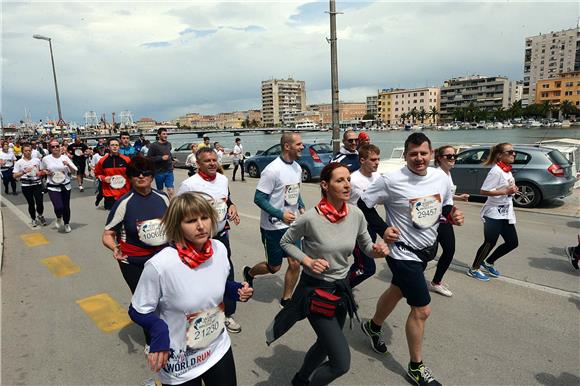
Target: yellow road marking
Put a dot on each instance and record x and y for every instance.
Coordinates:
(34, 239)
(61, 265)
(105, 312)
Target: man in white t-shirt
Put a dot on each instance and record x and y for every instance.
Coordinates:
(415, 198)
(369, 156)
(278, 196)
(207, 180)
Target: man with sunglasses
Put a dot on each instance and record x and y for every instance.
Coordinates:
(111, 170)
(348, 155)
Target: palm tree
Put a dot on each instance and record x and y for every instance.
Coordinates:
(422, 114)
(516, 110)
(404, 116)
(414, 114)
(434, 113)
(567, 108)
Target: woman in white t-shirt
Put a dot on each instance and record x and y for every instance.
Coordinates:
(179, 299)
(497, 213)
(7, 160)
(190, 161)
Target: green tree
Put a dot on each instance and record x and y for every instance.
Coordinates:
(434, 113)
(422, 114)
(567, 108)
(516, 110)
(404, 117)
(368, 116)
(413, 113)
(254, 123)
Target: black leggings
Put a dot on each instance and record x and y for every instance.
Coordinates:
(330, 343)
(229, 304)
(445, 237)
(222, 373)
(61, 203)
(241, 166)
(8, 180)
(33, 195)
(492, 229)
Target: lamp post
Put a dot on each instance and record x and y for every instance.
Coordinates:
(40, 37)
(334, 78)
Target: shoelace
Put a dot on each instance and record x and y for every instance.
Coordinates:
(426, 373)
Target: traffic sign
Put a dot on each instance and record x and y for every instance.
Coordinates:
(61, 122)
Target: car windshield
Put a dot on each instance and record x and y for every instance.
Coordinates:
(558, 158)
(321, 148)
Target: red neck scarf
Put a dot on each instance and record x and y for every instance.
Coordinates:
(191, 257)
(505, 167)
(206, 177)
(330, 211)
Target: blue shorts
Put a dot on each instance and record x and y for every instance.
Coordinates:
(164, 179)
(271, 241)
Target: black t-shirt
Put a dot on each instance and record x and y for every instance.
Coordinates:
(78, 151)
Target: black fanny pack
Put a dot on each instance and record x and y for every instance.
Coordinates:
(426, 254)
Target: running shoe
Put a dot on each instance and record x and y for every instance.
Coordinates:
(67, 229)
(81, 188)
(440, 288)
(149, 382)
(477, 274)
(146, 349)
(376, 338)
(41, 219)
(58, 224)
(571, 257)
(490, 269)
(284, 303)
(422, 376)
(247, 277)
(34, 223)
(232, 326)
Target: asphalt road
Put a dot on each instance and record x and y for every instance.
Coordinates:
(521, 329)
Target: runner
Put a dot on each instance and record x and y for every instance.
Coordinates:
(369, 157)
(58, 168)
(17, 149)
(179, 299)
(139, 143)
(27, 169)
(331, 229)
(497, 213)
(97, 155)
(414, 198)
(160, 153)
(278, 196)
(7, 160)
(363, 139)
(238, 157)
(445, 159)
(215, 186)
(77, 150)
(191, 161)
(125, 147)
(111, 170)
(347, 155)
(205, 143)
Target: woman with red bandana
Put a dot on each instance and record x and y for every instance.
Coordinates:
(179, 299)
(329, 233)
(497, 213)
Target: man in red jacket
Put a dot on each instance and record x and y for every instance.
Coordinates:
(111, 171)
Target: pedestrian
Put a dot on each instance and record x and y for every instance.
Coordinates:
(205, 143)
(58, 168)
(573, 254)
(111, 170)
(27, 170)
(497, 214)
(179, 299)
(7, 160)
(145, 148)
(348, 155)
(160, 153)
(78, 151)
(125, 147)
(415, 197)
(215, 186)
(278, 197)
(96, 157)
(238, 157)
(191, 161)
(445, 160)
(363, 139)
(329, 233)
(139, 143)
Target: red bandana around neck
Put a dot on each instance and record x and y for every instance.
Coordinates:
(206, 176)
(191, 257)
(330, 211)
(505, 167)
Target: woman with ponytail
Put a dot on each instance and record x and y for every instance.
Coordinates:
(497, 213)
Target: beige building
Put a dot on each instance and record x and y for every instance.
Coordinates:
(548, 55)
(347, 111)
(282, 100)
(394, 102)
(145, 123)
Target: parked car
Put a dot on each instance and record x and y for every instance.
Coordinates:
(184, 150)
(540, 173)
(313, 159)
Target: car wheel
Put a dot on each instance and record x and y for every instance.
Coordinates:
(528, 195)
(306, 177)
(253, 170)
(226, 166)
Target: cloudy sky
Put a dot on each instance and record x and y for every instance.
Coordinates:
(164, 59)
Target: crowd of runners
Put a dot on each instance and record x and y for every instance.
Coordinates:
(166, 239)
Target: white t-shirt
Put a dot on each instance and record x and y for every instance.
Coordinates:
(498, 207)
(61, 172)
(413, 204)
(217, 189)
(359, 184)
(30, 178)
(281, 181)
(8, 158)
(453, 186)
(36, 154)
(175, 293)
(95, 159)
(238, 152)
(190, 160)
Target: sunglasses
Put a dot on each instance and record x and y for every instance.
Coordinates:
(352, 140)
(54, 146)
(144, 173)
(510, 152)
(450, 156)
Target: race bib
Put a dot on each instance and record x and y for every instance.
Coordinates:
(58, 177)
(204, 327)
(425, 211)
(503, 210)
(78, 152)
(222, 209)
(291, 194)
(151, 232)
(33, 172)
(117, 182)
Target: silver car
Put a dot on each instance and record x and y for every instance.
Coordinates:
(540, 173)
(182, 151)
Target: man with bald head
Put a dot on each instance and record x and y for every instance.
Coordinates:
(348, 155)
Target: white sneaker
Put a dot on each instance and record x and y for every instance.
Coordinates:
(439, 288)
(34, 223)
(149, 382)
(232, 326)
(81, 188)
(58, 224)
(67, 229)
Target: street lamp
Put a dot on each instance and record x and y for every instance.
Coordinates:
(60, 120)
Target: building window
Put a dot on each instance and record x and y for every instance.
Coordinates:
(421, 101)
(422, 94)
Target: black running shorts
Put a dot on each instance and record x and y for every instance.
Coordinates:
(408, 276)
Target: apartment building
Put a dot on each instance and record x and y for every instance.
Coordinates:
(282, 100)
(347, 111)
(556, 90)
(483, 92)
(394, 102)
(515, 91)
(546, 56)
(372, 106)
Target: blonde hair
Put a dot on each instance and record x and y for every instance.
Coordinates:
(495, 152)
(183, 207)
(439, 153)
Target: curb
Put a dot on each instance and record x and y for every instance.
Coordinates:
(1, 240)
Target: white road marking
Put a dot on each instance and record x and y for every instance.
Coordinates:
(20, 214)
